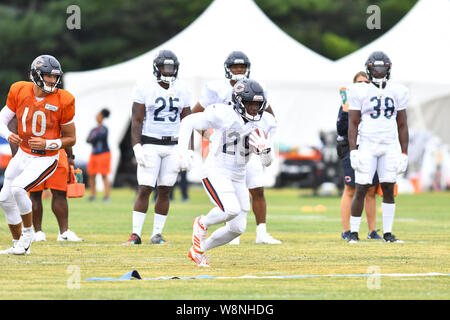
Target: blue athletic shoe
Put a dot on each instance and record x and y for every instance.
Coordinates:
(374, 235)
(345, 235)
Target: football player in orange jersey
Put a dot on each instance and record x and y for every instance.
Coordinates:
(45, 124)
(57, 183)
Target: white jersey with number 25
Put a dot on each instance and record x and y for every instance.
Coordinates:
(163, 107)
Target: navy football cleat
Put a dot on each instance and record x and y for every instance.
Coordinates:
(353, 238)
(389, 237)
(345, 235)
(374, 235)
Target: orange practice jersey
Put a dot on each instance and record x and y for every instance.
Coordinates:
(39, 118)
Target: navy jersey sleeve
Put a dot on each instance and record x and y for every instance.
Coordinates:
(342, 123)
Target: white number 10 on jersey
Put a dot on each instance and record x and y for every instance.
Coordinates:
(34, 122)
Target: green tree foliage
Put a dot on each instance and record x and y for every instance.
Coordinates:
(113, 31)
(333, 28)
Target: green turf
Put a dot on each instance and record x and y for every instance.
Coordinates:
(311, 246)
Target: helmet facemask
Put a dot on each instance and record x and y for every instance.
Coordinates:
(236, 58)
(244, 108)
(43, 84)
(166, 72)
(379, 72)
(240, 76)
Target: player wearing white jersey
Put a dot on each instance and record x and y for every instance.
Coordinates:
(237, 67)
(158, 107)
(239, 130)
(379, 110)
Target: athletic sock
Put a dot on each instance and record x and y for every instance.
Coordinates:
(388, 216)
(159, 221)
(27, 230)
(355, 222)
(138, 222)
(261, 229)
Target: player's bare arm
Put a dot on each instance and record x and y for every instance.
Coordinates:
(354, 117)
(185, 112)
(137, 118)
(402, 127)
(198, 108)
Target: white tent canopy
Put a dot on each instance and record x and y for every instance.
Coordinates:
(303, 86)
(281, 63)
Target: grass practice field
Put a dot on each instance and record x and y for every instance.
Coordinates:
(308, 226)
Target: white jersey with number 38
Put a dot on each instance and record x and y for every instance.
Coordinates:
(378, 109)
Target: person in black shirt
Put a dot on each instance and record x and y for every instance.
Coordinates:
(100, 159)
(349, 174)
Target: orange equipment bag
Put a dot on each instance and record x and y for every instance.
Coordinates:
(75, 186)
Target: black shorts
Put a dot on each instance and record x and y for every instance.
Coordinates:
(349, 173)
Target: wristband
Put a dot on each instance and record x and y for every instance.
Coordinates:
(53, 144)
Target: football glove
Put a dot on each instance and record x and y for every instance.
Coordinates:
(403, 163)
(142, 157)
(258, 143)
(266, 157)
(185, 159)
(354, 160)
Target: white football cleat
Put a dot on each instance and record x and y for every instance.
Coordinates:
(40, 236)
(10, 251)
(69, 236)
(199, 258)
(235, 241)
(24, 243)
(198, 234)
(266, 238)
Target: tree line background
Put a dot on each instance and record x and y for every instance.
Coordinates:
(113, 31)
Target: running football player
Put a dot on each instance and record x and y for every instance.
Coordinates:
(238, 129)
(237, 67)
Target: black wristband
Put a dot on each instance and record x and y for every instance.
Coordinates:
(72, 157)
